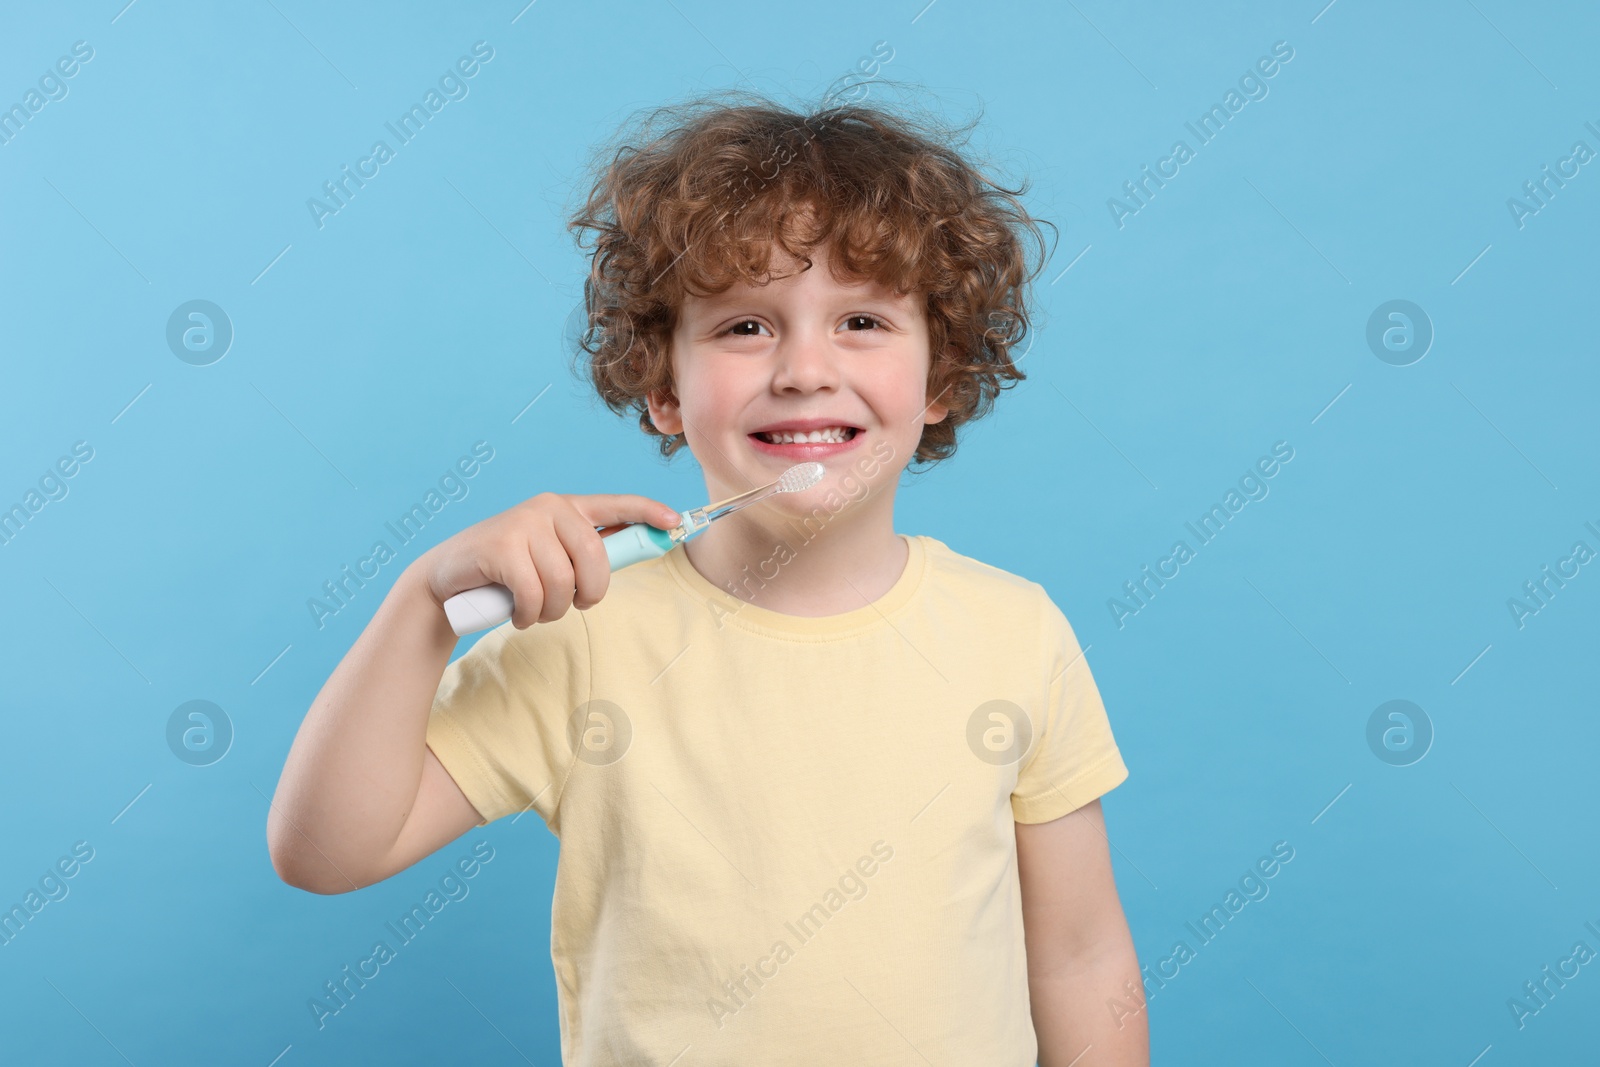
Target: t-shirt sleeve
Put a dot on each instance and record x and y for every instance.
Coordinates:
(500, 716)
(1074, 758)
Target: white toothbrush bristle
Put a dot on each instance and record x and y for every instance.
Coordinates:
(800, 476)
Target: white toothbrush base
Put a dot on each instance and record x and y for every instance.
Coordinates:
(491, 605)
(478, 609)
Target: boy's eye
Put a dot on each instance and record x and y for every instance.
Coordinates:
(737, 329)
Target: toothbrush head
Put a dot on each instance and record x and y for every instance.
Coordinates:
(800, 476)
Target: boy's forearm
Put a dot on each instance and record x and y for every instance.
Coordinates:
(352, 773)
(1095, 1007)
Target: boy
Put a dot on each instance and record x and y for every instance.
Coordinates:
(825, 792)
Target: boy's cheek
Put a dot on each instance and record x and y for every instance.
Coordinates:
(852, 487)
(883, 453)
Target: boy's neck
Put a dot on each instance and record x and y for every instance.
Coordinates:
(846, 564)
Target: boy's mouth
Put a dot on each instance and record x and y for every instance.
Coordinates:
(815, 444)
(831, 435)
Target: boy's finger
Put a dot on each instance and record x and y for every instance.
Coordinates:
(591, 570)
(557, 577)
(519, 574)
(609, 509)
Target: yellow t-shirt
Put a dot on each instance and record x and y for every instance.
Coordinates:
(786, 840)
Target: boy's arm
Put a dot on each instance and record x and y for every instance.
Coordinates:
(361, 796)
(1083, 975)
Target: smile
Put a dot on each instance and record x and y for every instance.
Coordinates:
(812, 445)
(831, 434)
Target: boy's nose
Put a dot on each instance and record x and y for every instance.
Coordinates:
(805, 363)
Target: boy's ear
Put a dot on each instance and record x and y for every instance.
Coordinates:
(664, 414)
(936, 412)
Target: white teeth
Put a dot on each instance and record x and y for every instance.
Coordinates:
(831, 435)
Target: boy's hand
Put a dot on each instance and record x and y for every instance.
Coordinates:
(546, 550)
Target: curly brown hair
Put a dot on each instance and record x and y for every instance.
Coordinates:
(714, 183)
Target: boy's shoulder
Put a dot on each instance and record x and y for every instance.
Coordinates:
(998, 587)
(1002, 602)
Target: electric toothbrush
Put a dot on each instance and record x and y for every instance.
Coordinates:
(626, 544)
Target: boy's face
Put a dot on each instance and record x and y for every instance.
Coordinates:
(803, 347)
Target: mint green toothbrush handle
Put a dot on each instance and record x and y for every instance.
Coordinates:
(636, 543)
(490, 605)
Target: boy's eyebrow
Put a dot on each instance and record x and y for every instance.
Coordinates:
(871, 291)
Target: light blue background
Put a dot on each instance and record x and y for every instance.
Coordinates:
(1228, 314)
